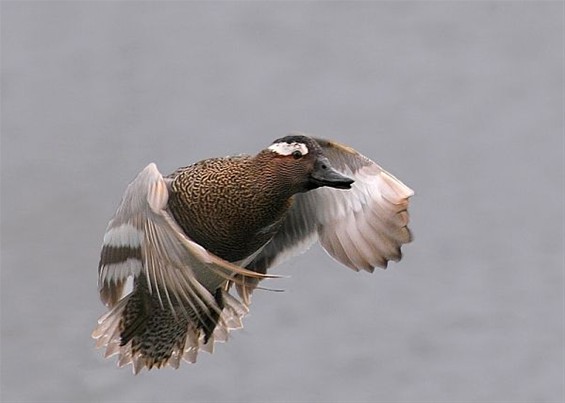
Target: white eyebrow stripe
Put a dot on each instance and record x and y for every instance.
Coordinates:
(287, 149)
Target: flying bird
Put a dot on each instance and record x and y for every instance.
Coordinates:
(197, 242)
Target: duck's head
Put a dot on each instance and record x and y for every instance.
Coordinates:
(301, 163)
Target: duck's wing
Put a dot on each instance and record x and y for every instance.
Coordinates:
(142, 239)
(362, 228)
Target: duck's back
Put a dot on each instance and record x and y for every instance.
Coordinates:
(230, 206)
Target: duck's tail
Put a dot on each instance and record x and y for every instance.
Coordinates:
(145, 334)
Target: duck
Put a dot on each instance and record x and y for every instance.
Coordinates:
(183, 253)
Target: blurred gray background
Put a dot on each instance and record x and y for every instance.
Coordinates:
(461, 100)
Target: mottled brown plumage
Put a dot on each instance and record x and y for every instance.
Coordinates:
(230, 214)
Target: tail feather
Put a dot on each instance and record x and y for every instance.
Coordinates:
(145, 335)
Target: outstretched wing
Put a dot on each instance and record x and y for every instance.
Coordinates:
(142, 239)
(362, 228)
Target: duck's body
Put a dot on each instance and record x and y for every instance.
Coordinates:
(243, 219)
(188, 237)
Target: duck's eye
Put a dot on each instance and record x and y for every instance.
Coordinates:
(296, 154)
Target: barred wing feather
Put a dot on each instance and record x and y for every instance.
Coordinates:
(142, 239)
